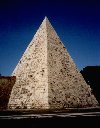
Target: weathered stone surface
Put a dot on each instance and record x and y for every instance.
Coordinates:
(6, 84)
(47, 77)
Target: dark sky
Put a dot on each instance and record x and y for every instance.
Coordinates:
(76, 22)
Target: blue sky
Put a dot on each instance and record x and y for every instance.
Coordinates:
(76, 22)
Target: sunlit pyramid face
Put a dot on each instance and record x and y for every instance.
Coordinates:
(47, 77)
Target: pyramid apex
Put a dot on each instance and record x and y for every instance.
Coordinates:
(46, 22)
(46, 18)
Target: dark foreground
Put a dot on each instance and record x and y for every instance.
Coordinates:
(62, 122)
(82, 119)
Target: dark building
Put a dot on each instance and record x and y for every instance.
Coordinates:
(6, 84)
(91, 75)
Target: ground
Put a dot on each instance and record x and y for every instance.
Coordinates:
(75, 118)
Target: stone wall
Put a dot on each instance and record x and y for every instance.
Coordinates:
(31, 87)
(66, 86)
(6, 84)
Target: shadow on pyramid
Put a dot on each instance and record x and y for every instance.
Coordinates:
(47, 77)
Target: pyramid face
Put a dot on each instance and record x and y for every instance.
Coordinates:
(47, 77)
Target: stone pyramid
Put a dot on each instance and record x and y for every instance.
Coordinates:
(47, 77)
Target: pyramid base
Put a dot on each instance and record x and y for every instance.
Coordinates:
(48, 111)
(52, 107)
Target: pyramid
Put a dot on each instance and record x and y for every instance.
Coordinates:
(47, 77)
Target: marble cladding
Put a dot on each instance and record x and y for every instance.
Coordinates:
(47, 77)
